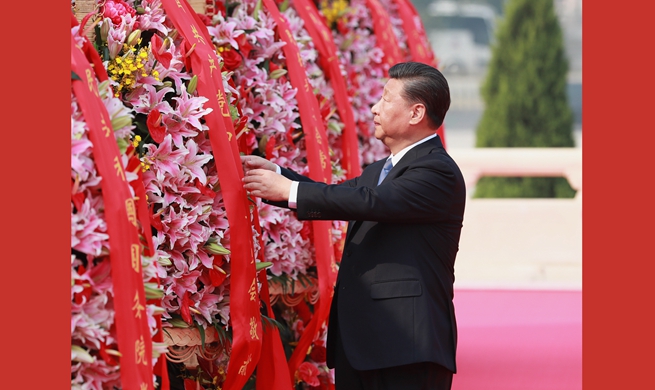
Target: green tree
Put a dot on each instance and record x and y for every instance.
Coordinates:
(525, 96)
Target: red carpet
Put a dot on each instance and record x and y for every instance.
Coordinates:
(523, 340)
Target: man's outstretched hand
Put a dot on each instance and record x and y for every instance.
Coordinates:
(261, 179)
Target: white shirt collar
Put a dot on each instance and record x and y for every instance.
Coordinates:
(396, 158)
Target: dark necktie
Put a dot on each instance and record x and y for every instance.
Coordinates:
(385, 170)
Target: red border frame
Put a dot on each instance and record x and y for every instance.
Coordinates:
(35, 197)
(618, 338)
(618, 207)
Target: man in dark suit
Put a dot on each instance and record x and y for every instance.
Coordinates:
(392, 320)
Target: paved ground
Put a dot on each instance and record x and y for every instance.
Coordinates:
(518, 340)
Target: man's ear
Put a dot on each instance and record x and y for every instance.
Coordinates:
(417, 113)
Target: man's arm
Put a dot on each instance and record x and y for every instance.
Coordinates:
(275, 185)
(429, 190)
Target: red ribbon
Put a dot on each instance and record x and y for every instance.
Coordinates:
(145, 216)
(271, 370)
(319, 170)
(417, 41)
(324, 43)
(244, 300)
(386, 39)
(132, 329)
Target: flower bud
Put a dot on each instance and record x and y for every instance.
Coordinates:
(113, 352)
(104, 29)
(216, 249)
(134, 37)
(277, 73)
(165, 46)
(263, 264)
(152, 291)
(193, 84)
(188, 53)
(165, 261)
(79, 354)
(120, 122)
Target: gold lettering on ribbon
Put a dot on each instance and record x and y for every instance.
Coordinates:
(179, 5)
(197, 35)
(319, 139)
(229, 136)
(137, 306)
(253, 329)
(130, 208)
(326, 35)
(323, 159)
(289, 36)
(212, 64)
(136, 258)
(140, 351)
(90, 83)
(144, 386)
(307, 89)
(119, 168)
(105, 128)
(333, 265)
(300, 59)
(244, 366)
(222, 103)
(253, 290)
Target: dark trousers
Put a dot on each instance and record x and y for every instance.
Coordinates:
(417, 376)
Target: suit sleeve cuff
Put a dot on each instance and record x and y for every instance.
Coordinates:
(293, 194)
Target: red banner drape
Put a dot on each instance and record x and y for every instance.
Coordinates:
(244, 298)
(144, 215)
(324, 43)
(419, 46)
(320, 169)
(132, 329)
(273, 366)
(386, 39)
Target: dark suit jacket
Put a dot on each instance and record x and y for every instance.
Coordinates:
(393, 297)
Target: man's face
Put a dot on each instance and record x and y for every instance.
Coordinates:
(391, 114)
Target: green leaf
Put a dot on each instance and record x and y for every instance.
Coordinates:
(201, 330)
(178, 323)
(224, 336)
(74, 76)
(271, 322)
